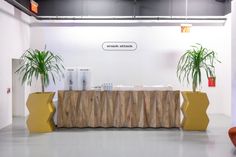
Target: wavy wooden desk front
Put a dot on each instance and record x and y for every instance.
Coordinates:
(118, 109)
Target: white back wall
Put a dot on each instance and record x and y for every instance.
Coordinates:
(153, 63)
(14, 39)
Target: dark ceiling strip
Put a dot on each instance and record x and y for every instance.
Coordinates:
(126, 18)
(21, 7)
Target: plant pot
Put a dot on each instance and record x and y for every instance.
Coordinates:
(194, 111)
(41, 111)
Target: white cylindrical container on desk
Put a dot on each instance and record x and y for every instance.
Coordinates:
(71, 79)
(84, 79)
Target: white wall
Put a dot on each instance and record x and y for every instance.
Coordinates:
(14, 39)
(234, 62)
(154, 62)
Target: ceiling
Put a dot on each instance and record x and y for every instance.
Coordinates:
(124, 8)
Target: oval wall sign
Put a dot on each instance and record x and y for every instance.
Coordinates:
(119, 46)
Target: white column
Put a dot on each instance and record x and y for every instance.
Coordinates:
(233, 63)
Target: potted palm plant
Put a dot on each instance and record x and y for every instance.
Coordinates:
(190, 67)
(41, 65)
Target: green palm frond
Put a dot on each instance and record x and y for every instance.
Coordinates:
(193, 61)
(40, 64)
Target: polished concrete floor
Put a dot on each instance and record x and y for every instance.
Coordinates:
(15, 141)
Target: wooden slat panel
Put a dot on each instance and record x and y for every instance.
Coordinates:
(118, 109)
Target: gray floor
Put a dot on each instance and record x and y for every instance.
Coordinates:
(15, 141)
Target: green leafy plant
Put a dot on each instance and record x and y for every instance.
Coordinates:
(193, 61)
(40, 64)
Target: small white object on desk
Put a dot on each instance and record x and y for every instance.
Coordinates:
(107, 87)
(141, 87)
(158, 87)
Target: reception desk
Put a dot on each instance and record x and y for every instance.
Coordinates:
(118, 109)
